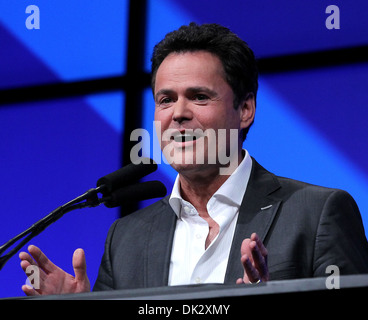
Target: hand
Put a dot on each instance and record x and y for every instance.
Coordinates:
(254, 260)
(54, 280)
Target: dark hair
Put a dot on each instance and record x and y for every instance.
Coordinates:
(237, 58)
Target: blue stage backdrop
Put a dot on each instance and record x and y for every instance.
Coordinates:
(310, 124)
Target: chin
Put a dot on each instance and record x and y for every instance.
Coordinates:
(194, 169)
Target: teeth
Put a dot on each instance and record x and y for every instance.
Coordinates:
(189, 135)
(184, 137)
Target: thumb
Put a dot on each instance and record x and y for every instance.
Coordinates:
(79, 265)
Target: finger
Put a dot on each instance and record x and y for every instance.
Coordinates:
(24, 264)
(26, 260)
(262, 248)
(79, 265)
(257, 256)
(259, 253)
(260, 262)
(27, 257)
(245, 249)
(43, 262)
(239, 281)
(250, 272)
(29, 291)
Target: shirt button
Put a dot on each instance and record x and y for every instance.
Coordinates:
(198, 236)
(198, 280)
(186, 209)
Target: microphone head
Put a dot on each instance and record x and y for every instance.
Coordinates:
(136, 192)
(126, 175)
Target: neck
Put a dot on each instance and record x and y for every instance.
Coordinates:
(198, 187)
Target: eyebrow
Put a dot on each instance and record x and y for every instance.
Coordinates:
(164, 92)
(202, 89)
(191, 90)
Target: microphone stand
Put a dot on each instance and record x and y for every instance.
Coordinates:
(90, 199)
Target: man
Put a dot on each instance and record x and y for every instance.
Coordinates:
(215, 226)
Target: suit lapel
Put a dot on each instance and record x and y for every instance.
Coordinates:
(159, 243)
(256, 214)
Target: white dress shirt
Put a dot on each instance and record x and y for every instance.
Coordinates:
(190, 262)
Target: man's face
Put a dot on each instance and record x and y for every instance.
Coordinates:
(191, 98)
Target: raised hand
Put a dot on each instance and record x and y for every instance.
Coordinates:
(254, 260)
(54, 280)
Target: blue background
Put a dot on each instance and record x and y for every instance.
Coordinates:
(310, 124)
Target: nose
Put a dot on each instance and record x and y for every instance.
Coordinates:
(182, 112)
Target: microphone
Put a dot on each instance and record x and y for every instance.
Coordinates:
(135, 192)
(117, 188)
(126, 175)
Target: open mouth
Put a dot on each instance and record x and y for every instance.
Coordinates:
(186, 136)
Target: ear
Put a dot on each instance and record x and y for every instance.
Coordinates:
(247, 110)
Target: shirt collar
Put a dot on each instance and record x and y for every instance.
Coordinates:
(232, 191)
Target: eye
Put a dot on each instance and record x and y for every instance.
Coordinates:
(164, 102)
(200, 97)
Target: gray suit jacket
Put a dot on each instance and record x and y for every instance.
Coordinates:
(304, 227)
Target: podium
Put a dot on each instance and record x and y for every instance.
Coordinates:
(288, 298)
(350, 285)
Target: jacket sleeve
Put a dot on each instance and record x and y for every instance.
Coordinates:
(104, 279)
(340, 238)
